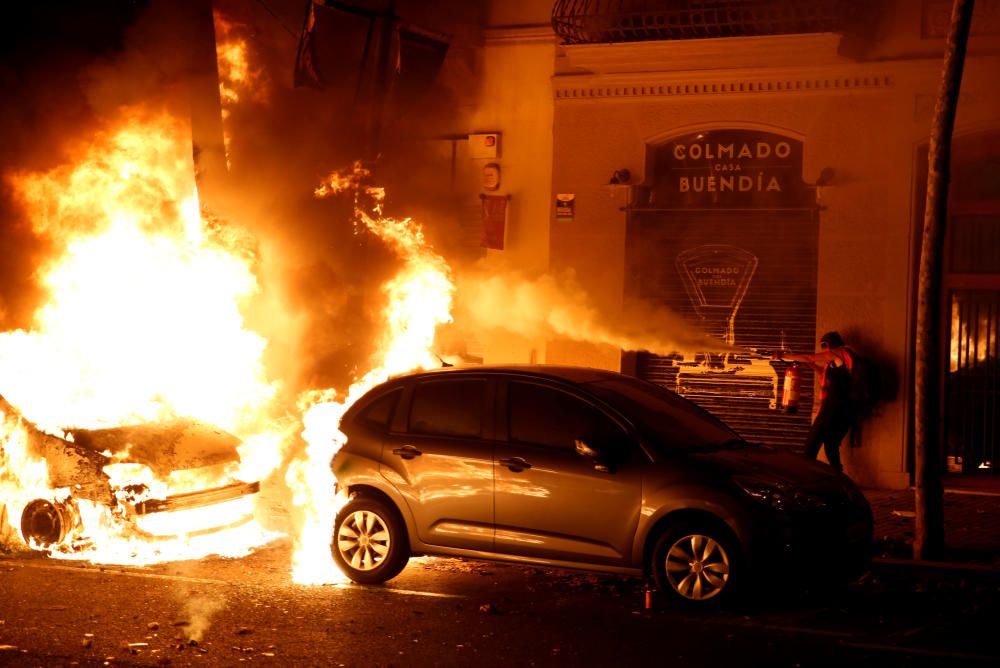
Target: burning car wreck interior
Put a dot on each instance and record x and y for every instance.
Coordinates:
(130, 474)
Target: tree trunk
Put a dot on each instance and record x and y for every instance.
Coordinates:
(929, 496)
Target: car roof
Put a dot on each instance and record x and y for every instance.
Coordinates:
(573, 374)
(567, 374)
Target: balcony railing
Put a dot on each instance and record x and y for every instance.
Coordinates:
(608, 21)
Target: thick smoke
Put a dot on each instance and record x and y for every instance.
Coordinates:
(68, 69)
(557, 307)
(321, 275)
(320, 279)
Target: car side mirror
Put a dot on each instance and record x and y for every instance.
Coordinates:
(601, 463)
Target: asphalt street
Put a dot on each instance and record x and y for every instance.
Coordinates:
(444, 612)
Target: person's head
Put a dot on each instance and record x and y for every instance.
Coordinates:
(831, 340)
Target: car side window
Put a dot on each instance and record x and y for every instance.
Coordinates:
(546, 416)
(378, 413)
(448, 407)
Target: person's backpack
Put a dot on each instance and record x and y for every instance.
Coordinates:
(866, 384)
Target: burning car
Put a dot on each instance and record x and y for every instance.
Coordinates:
(132, 478)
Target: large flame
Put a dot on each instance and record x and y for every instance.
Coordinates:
(143, 317)
(419, 299)
(142, 324)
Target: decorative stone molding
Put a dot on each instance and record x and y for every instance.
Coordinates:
(572, 88)
(707, 54)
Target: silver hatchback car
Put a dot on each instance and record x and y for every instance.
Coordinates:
(581, 468)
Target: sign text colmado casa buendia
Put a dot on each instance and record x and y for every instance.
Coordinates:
(731, 167)
(726, 170)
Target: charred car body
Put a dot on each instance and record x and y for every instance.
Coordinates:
(78, 470)
(582, 468)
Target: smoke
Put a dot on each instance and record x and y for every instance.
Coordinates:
(557, 307)
(326, 277)
(68, 69)
(71, 67)
(197, 613)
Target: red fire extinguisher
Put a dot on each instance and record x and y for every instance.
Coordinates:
(791, 389)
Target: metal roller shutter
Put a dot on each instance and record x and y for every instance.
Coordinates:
(748, 276)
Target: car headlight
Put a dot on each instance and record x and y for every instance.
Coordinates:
(778, 495)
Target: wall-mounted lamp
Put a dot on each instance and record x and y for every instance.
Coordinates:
(825, 178)
(620, 177)
(620, 182)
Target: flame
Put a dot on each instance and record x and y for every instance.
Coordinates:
(238, 78)
(142, 324)
(22, 476)
(419, 299)
(143, 320)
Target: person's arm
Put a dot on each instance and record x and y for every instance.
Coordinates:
(820, 359)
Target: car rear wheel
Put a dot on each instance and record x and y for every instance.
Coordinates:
(697, 565)
(369, 540)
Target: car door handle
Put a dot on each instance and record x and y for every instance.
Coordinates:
(407, 452)
(515, 464)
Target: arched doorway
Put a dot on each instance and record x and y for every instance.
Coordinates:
(725, 232)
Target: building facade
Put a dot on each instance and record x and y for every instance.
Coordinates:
(769, 188)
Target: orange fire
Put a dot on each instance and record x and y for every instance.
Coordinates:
(419, 299)
(142, 324)
(238, 78)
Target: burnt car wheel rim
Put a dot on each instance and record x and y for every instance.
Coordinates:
(697, 567)
(363, 540)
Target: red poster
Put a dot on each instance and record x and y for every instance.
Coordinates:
(494, 221)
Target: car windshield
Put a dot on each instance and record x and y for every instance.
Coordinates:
(661, 415)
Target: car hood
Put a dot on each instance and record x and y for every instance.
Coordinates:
(164, 446)
(768, 463)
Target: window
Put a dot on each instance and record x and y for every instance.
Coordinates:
(975, 244)
(662, 415)
(546, 416)
(379, 413)
(448, 407)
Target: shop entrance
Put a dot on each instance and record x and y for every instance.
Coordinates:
(970, 309)
(725, 233)
(972, 314)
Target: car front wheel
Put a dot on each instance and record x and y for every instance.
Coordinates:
(369, 540)
(697, 565)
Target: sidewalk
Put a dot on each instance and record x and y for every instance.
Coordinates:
(971, 525)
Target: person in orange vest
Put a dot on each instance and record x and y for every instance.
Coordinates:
(834, 362)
